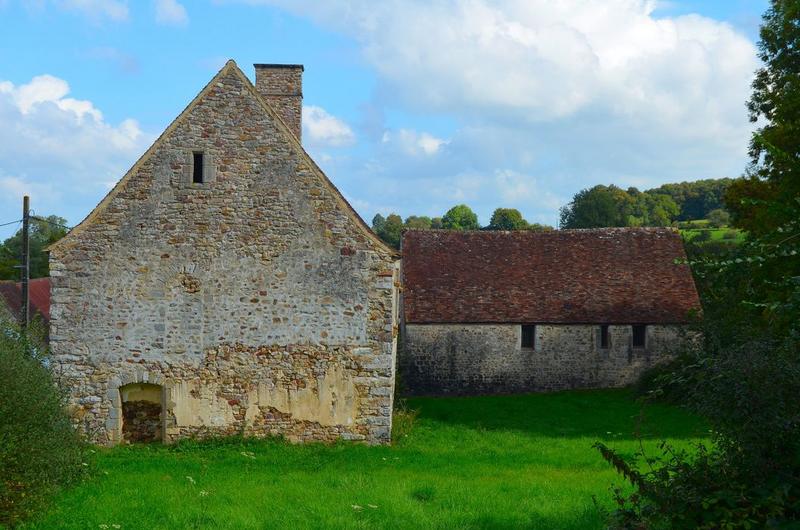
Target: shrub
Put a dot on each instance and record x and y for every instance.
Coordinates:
(39, 449)
(658, 383)
(730, 234)
(702, 236)
(750, 476)
(718, 218)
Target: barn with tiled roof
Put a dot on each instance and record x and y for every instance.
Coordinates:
(493, 312)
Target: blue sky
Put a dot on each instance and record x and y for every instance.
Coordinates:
(411, 106)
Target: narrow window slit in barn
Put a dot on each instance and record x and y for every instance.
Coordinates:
(639, 335)
(605, 338)
(197, 167)
(528, 336)
(141, 413)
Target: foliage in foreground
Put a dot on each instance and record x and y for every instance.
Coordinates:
(39, 450)
(746, 378)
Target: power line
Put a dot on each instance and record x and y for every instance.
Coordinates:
(11, 222)
(48, 221)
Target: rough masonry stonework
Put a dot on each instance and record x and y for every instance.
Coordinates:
(488, 358)
(253, 302)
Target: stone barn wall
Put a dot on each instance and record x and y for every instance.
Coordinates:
(487, 358)
(257, 299)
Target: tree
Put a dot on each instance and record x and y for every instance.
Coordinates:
(389, 229)
(43, 233)
(651, 209)
(460, 217)
(378, 222)
(744, 379)
(507, 219)
(603, 206)
(718, 218)
(392, 230)
(436, 223)
(418, 222)
(775, 147)
(597, 207)
(696, 199)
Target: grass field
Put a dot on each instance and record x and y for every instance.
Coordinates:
(693, 229)
(488, 462)
(716, 234)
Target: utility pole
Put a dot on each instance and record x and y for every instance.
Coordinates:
(26, 262)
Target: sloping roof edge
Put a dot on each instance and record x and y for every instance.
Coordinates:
(229, 66)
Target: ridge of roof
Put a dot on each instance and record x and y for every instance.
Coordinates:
(230, 66)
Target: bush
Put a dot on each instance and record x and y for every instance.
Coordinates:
(750, 476)
(39, 449)
(718, 218)
(658, 383)
(702, 236)
(730, 234)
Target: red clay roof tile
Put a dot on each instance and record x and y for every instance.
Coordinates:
(609, 275)
(38, 290)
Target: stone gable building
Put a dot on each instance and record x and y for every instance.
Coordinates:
(225, 286)
(497, 312)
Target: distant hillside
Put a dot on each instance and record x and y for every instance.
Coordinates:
(696, 199)
(605, 206)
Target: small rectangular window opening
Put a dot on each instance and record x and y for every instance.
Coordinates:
(605, 338)
(197, 167)
(528, 336)
(639, 335)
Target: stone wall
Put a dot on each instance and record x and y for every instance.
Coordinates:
(487, 358)
(282, 86)
(257, 299)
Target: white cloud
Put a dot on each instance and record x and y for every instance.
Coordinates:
(115, 10)
(535, 60)
(14, 188)
(414, 143)
(58, 149)
(321, 129)
(49, 89)
(575, 92)
(518, 190)
(171, 12)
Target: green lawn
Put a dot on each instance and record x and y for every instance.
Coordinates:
(488, 462)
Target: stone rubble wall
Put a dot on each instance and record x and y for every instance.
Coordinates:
(141, 421)
(254, 299)
(282, 87)
(467, 359)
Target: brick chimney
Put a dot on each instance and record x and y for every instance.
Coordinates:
(282, 86)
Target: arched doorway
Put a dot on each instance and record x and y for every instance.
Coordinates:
(142, 412)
